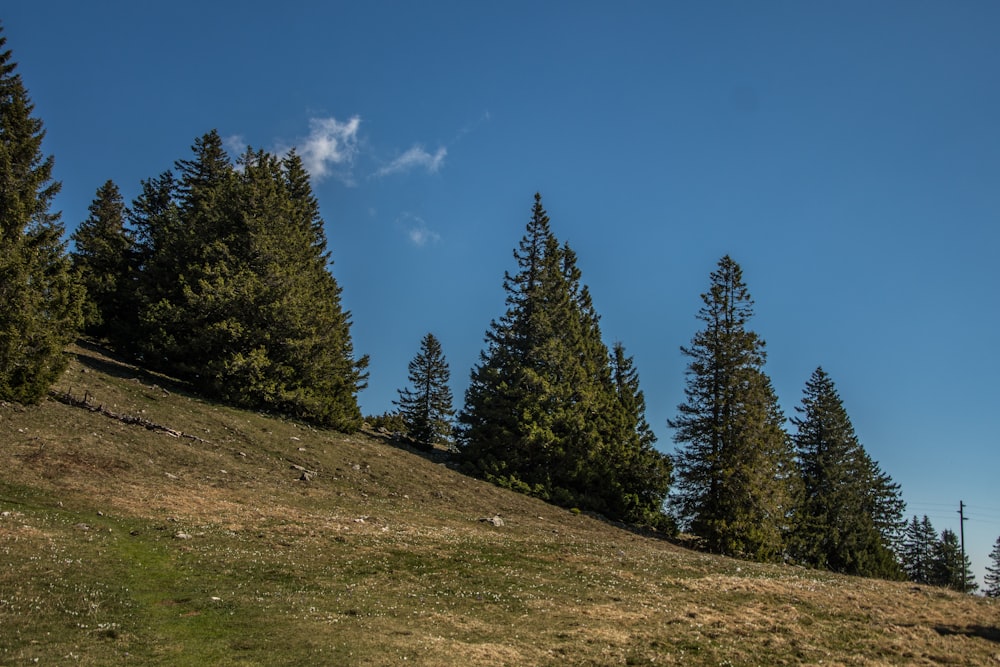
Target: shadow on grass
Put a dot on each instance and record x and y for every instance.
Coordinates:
(989, 633)
(104, 360)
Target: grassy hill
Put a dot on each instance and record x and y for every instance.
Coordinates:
(200, 543)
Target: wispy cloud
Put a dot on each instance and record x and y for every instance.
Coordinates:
(417, 230)
(416, 157)
(330, 147)
(235, 144)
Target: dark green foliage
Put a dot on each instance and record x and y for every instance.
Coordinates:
(736, 479)
(39, 301)
(234, 290)
(918, 550)
(992, 579)
(542, 414)
(642, 473)
(426, 408)
(102, 258)
(949, 569)
(848, 517)
(387, 422)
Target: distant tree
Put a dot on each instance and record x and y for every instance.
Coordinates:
(426, 408)
(918, 551)
(737, 485)
(845, 495)
(992, 579)
(39, 300)
(102, 258)
(949, 569)
(542, 414)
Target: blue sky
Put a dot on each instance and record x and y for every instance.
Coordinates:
(846, 154)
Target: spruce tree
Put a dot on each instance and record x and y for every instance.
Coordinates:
(235, 289)
(836, 525)
(541, 412)
(992, 579)
(102, 258)
(39, 300)
(948, 568)
(426, 406)
(643, 473)
(508, 425)
(918, 551)
(736, 477)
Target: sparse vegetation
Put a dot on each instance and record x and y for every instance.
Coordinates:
(122, 544)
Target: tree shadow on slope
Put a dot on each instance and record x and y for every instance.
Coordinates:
(97, 357)
(989, 633)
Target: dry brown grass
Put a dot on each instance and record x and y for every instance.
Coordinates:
(380, 560)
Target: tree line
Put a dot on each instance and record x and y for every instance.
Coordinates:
(218, 273)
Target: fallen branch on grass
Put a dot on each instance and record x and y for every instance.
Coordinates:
(132, 420)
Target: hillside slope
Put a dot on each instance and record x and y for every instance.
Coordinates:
(234, 538)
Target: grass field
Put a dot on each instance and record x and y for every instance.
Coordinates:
(122, 544)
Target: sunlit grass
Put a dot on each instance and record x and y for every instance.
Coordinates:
(122, 545)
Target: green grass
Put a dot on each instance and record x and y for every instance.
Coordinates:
(380, 560)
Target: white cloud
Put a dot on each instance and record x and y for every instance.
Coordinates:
(417, 230)
(330, 144)
(235, 144)
(413, 158)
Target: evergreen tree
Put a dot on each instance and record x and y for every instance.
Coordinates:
(949, 569)
(427, 407)
(235, 290)
(736, 477)
(918, 552)
(837, 527)
(103, 260)
(39, 300)
(198, 286)
(992, 578)
(643, 473)
(541, 412)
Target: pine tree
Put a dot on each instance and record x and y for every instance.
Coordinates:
(918, 551)
(39, 300)
(948, 568)
(992, 578)
(541, 412)
(426, 408)
(736, 477)
(103, 260)
(836, 525)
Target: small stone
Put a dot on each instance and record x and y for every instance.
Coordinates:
(181, 535)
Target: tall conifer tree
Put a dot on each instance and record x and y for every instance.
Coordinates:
(426, 405)
(541, 412)
(918, 550)
(643, 473)
(102, 257)
(837, 527)
(736, 477)
(39, 300)
(949, 568)
(236, 291)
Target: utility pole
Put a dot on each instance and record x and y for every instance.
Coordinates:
(961, 531)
